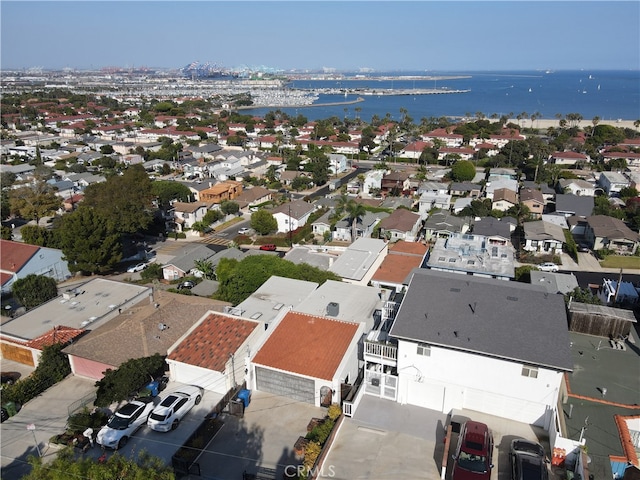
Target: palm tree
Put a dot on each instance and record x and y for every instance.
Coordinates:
(353, 209)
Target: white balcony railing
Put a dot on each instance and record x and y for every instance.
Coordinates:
(385, 353)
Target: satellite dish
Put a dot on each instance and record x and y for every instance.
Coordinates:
(162, 326)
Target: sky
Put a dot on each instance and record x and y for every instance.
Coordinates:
(310, 35)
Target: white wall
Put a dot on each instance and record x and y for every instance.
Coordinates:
(449, 379)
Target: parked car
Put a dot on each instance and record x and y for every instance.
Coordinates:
(168, 413)
(269, 247)
(474, 453)
(244, 231)
(186, 284)
(124, 423)
(548, 267)
(137, 268)
(528, 460)
(9, 378)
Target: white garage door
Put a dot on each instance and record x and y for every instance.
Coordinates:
(286, 385)
(425, 395)
(507, 407)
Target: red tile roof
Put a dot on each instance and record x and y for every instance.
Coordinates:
(59, 334)
(411, 248)
(211, 343)
(307, 345)
(397, 266)
(14, 255)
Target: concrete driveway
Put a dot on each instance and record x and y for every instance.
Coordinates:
(264, 437)
(386, 440)
(48, 413)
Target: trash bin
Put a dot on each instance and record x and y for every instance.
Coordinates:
(245, 397)
(10, 407)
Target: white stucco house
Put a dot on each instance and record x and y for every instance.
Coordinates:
(464, 342)
(292, 215)
(337, 163)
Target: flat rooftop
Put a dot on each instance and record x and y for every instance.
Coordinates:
(86, 306)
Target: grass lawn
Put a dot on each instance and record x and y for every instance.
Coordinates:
(621, 261)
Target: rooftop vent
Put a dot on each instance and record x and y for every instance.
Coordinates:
(333, 308)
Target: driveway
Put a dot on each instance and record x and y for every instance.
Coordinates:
(48, 413)
(264, 437)
(387, 440)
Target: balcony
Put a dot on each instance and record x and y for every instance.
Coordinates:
(378, 350)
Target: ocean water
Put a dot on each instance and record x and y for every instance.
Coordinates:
(609, 95)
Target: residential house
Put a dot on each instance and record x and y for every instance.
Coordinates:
(444, 225)
(292, 215)
(456, 347)
(568, 158)
(465, 189)
(141, 330)
(218, 193)
(632, 158)
(401, 225)
(364, 226)
(613, 182)
(18, 260)
(504, 173)
(321, 354)
(460, 204)
(414, 150)
(543, 237)
(360, 260)
(498, 183)
(205, 152)
(472, 255)
(533, 200)
(346, 302)
(252, 197)
(322, 225)
(431, 200)
(444, 136)
(504, 199)
(614, 292)
(496, 230)
(274, 297)
(215, 352)
(577, 186)
(73, 312)
(395, 182)
(372, 181)
(455, 153)
(311, 255)
(548, 193)
(185, 264)
(395, 271)
(574, 205)
(186, 214)
(337, 163)
(562, 283)
(602, 231)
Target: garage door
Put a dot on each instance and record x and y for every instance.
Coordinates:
(286, 385)
(425, 395)
(17, 354)
(503, 406)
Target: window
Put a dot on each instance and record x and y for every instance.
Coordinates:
(424, 350)
(528, 371)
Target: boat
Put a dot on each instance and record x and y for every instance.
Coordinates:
(529, 90)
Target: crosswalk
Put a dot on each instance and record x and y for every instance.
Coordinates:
(213, 240)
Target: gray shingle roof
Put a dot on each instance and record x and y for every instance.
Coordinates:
(509, 320)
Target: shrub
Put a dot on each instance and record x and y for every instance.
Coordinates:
(334, 411)
(79, 422)
(321, 432)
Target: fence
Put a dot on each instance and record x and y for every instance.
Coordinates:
(80, 404)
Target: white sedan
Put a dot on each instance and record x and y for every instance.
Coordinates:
(168, 413)
(137, 268)
(548, 267)
(124, 423)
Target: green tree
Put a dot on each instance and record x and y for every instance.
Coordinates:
(66, 466)
(41, 236)
(238, 280)
(34, 290)
(126, 201)
(6, 233)
(199, 227)
(206, 267)
(229, 208)
(118, 385)
(152, 272)
(89, 241)
(582, 295)
(463, 171)
(166, 191)
(34, 201)
(263, 222)
(353, 209)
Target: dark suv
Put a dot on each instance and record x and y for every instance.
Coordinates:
(474, 453)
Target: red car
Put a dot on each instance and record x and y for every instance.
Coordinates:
(473, 458)
(269, 246)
